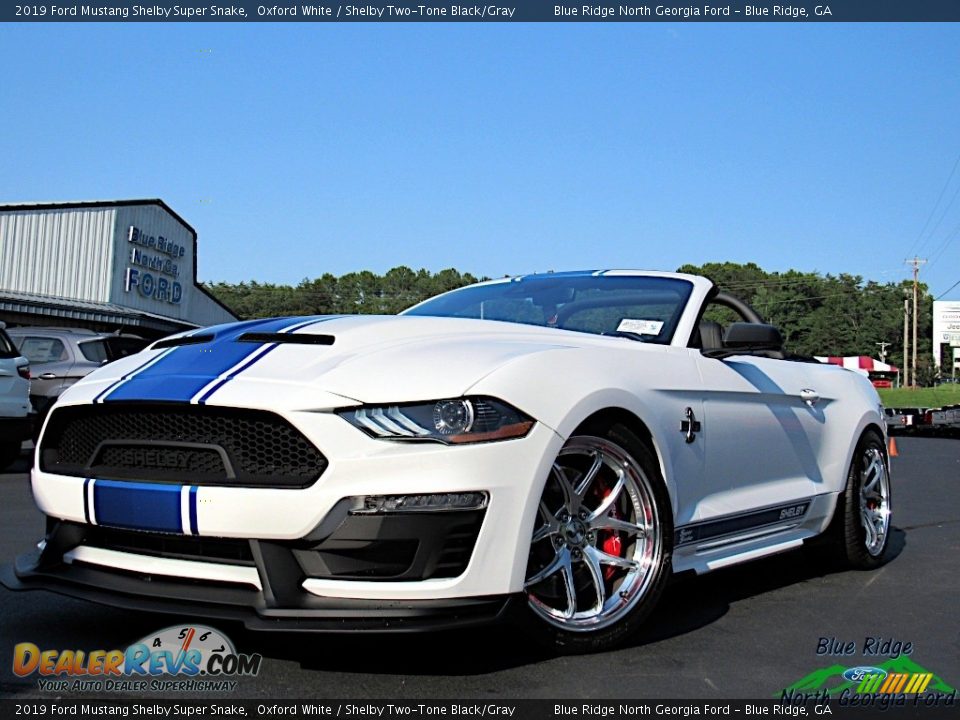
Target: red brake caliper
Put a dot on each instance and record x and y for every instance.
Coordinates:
(609, 540)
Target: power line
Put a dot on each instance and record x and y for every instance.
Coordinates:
(935, 205)
(764, 303)
(951, 236)
(747, 285)
(946, 209)
(947, 290)
(811, 279)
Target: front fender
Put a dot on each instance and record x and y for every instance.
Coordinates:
(653, 383)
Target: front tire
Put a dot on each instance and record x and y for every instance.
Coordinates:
(860, 531)
(601, 549)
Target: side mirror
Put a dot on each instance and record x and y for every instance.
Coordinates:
(752, 337)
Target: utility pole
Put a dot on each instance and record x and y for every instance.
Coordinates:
(883, 350)
(906, 343)
(916, 263)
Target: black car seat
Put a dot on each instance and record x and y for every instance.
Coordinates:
(711, 335)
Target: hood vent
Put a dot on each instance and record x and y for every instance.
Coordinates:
(185, 340)
(287, 338)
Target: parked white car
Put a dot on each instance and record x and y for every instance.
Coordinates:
(557, 444)
(16, 420)
(61, 356)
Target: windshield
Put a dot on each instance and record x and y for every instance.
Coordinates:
(111, 348)
(642, 307)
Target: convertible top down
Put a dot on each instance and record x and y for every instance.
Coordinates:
(546, 447)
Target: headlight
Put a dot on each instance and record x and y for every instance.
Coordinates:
(453, 421)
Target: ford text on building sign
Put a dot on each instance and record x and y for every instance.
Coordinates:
(152, 269)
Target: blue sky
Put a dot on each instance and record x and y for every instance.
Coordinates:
(299, 149)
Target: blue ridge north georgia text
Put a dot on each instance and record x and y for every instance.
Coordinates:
(386, 12)
(681, 12)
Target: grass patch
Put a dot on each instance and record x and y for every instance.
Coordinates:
(921, 397)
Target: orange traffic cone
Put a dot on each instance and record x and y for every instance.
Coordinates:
(892, 447)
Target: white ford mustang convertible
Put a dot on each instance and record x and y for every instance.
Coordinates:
(548, 448)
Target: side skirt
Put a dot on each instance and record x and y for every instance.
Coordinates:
(732, 539)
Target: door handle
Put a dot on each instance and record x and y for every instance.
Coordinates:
(47, 376)
(810, 397)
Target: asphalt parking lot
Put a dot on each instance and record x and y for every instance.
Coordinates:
(745, 632)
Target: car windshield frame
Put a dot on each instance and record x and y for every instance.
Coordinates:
(8, 350)
(554, 300)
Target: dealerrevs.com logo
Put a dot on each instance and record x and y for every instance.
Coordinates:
(178, 658)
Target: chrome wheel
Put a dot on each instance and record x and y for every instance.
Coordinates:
(597, 543)
(874, 500)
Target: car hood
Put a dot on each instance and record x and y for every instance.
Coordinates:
(368, 359)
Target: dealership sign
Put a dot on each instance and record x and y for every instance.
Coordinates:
(153, 270)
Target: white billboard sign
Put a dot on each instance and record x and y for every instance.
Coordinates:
(946, 326)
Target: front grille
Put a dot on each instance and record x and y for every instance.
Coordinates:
(227, 551)
(194, 444)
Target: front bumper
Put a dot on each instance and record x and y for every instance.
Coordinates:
(279, 604)
(278, 584)
(511, 473)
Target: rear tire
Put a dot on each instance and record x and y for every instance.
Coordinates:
(859, 535)
(602, 545)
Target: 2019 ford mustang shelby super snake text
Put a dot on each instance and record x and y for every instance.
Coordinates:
(549, 447)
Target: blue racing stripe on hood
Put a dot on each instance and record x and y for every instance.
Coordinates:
(186, 370)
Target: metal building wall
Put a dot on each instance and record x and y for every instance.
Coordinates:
(195, 307)
(67, 253)
(206, 312)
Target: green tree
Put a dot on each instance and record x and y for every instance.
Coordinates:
(817, 314)
(361, 292)
(826, 314)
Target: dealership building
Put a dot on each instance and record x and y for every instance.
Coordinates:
(127, 265)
